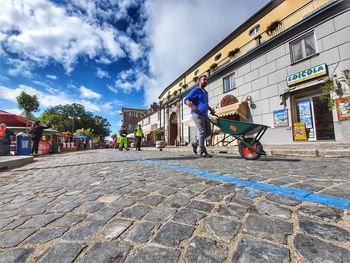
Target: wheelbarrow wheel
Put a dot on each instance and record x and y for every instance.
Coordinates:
(247, 153)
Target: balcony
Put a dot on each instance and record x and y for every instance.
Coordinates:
(287, 22)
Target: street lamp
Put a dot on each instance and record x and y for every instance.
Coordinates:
(72, 118)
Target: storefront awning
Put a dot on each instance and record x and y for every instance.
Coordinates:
(149, 131)
(303, 86)
(188, 122)
(241, 108)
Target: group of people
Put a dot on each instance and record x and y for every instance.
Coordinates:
(36, 133)
(198, 101)
(122, 139)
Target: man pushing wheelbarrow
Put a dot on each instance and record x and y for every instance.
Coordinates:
(197, 100)
(249, 148)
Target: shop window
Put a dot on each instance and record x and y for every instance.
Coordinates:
(254, 30)
(229, 83)
(303, 47)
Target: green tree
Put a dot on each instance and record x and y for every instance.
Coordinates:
(61, 116)
(28, 103)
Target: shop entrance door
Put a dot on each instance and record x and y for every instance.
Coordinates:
(323, 119)
(313, 112)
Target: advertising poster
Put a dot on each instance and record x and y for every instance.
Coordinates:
(280, 118)
(343, 108)
(299, 131)
(304, 109)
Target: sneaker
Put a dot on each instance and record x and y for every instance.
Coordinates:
(206, 155)
(194, 147)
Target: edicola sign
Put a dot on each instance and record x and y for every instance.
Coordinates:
(307, 74)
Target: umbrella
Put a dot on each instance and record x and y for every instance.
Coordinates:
(13, 120)
(81, 137)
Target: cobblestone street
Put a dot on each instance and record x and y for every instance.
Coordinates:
(151, 206)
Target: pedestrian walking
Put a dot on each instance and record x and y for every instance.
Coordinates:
(36, 132)
(197, 100)
(5, 139)
(123, 141)
(138, 136)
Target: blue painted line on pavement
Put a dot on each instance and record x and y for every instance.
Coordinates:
(296, 193)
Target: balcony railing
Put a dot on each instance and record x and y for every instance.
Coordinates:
(287, 22)
(290, 20)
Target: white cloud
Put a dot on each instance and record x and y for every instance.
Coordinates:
(20, 67)
(102, 73)
(51, 76)
(130, 80)
(39, 31)
(181, 32)
(45, 99)
(89, 94)
(14, 111)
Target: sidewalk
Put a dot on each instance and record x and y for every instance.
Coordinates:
(306, 149)
(9, 162)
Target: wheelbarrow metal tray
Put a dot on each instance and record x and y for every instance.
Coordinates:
(238, 127)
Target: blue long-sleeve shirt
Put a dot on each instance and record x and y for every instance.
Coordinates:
(199, 97)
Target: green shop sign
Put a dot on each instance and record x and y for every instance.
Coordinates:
(307, 74)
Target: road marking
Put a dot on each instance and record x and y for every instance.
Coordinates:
(296, 193)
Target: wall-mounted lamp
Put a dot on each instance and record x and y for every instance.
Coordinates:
(252, 105)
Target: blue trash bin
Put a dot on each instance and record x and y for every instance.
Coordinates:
(23, 144)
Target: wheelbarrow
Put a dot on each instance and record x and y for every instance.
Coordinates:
(249, 148)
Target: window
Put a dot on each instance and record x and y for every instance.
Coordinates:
(130, 128)
(303, 47)
(133, 114)
(229, 83)
(254, 30)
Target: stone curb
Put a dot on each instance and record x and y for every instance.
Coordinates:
(10, 162)
(327, 153)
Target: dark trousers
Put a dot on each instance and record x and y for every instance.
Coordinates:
(35, 146)
(138, 142)
(204, 130)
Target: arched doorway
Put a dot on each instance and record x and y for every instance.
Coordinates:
(173, 128)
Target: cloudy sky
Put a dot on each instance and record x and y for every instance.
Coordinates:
(107, 54)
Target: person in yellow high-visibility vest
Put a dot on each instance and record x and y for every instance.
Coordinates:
(138, 136)
(123, 141)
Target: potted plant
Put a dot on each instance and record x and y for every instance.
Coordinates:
(333, 85)
(184, 86)
(233, 52)
(195, 78)
(160, 140)
(213, 66)
(273, 27)
(175, 93)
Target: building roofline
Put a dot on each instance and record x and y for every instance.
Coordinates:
(239, 30)
(299, 28)
(134, 109)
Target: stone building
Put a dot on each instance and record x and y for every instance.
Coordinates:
(130, 118)
(272, 70)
